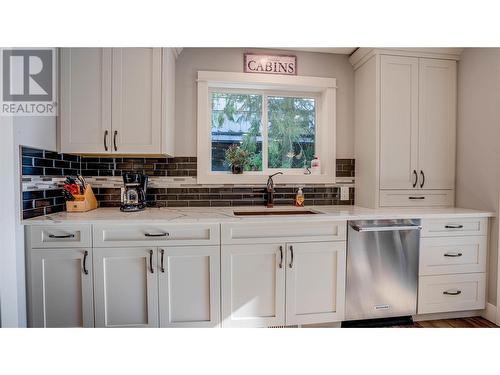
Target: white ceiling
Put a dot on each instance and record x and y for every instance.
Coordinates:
(341, 51)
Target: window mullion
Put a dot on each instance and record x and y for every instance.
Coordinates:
(264, 135)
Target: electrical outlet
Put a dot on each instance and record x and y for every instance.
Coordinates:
(344, 193)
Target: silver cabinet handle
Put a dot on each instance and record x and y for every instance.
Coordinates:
(291, 254)
(357, 228)
(423, 179)
(114, 140)
(157, 234)
(453, 255)
(151, 261)
(106, 140)
(452, 293)
(162, 268)
(85, 255)
(281, 257)
(61, 236)
(459, 226)
(416, 178)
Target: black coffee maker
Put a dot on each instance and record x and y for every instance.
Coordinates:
(134, 192)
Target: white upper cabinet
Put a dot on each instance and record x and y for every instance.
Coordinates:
(405, 127)
(117, 101)
(136, 108)
(398, 122)
(437, 123)
(85, 117)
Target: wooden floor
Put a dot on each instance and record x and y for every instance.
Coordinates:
(476, 322)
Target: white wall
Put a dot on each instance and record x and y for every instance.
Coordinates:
(37, 132)
(9, 298)
(478, 142)
(231, 60)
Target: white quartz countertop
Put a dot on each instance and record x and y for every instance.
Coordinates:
(225, 214)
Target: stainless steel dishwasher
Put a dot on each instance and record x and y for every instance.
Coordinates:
(382, 268)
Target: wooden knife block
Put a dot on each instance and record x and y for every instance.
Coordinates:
(83, 202)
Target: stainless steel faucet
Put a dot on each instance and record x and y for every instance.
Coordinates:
(270, 190)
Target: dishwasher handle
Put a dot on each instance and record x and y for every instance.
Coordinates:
(388, 228)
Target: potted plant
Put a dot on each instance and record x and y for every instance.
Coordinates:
(236, 157)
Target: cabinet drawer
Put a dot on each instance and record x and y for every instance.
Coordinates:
(156, 235)
(416, 198)
(455, 227)
(244, 233)
(51, 236)
(451, 293)
(445, 255)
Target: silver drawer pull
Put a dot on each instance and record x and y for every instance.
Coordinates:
(62, 236)
(453, 255)
(157, 234)
(460, 226)
(452, 293)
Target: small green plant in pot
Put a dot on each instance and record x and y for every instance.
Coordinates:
(237, 158)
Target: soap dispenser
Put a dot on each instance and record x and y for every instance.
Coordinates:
(299, 198)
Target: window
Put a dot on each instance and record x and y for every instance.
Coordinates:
(236, 120)
(281, 122)
(291, 129)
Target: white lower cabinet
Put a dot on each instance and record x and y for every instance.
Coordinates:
(452, 255)
(126, 287)
(452, 265)
(189, 286)
(253, 285)
(315, 282)
(61, 288)
(445, 293)
(265, 285)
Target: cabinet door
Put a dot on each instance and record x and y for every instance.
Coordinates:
(398, 122)
(189, 278)
(168, 102)
(126, 287)
(437, 123)
(61, 290)
(85, 121)
(315, 282)
(137, 100)
(253, 285)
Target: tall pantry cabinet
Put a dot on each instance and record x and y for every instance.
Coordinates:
(117, 100)
(405, 127)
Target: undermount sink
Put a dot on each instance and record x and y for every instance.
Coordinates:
(275, 212)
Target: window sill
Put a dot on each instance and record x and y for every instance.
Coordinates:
(243, 179)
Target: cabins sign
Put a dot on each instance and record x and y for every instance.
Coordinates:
(270, 64)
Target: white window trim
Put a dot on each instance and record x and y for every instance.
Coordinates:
(325, 88)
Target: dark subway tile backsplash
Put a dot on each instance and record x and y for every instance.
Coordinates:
(97, 166)
(42, 202)
(219, 197)
(48, 163)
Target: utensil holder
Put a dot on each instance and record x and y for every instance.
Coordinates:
(83, 202)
